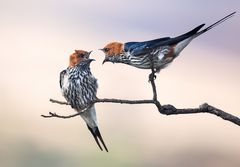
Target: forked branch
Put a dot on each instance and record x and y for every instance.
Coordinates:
(165, 109)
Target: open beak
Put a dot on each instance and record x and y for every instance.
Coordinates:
(88, 54)
(105, 60)
(90, 60)
(106, 57)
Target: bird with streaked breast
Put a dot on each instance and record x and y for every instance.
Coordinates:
(163, 50)
(79, 87)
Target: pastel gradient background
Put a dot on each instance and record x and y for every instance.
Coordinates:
(36, 38)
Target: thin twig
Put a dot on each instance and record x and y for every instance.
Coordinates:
(164, 109)
(123, 101)
(59, 116)
(204, 108)
(106, 100)
(152, 77)
(59, 102)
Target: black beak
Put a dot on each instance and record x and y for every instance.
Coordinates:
(105, 60)
(88, 54)
(90, 60)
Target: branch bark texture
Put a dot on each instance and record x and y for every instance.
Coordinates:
(163, 109)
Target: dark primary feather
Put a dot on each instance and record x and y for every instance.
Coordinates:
(129, 46)
(62, 73)
(216, 23)
(138, 48)
(184, 36)
(97, 135)
(141, 48)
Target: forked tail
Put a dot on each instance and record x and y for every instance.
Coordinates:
(97, 135)
(183, 40)
(214, 24)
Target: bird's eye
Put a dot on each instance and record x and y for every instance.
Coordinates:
(106, 49)
(81, 55)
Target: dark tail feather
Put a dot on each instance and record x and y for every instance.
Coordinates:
(97, 132)
(215, 24)
(195, 32)
(192, 32)
(187, 35)
(97, 135)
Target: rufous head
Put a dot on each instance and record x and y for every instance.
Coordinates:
(112, 50)
(77, 57)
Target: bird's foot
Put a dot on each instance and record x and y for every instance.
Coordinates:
(151, 77)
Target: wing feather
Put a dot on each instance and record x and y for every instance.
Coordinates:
(62, 73)
(142, 48)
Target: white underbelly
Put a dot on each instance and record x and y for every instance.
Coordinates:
(181, 45)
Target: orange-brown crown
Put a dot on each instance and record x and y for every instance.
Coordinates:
(77, 57)
(113, 49)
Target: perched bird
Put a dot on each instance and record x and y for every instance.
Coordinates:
(157, 53)
(79, 87)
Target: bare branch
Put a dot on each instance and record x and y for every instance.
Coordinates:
(123, 101)
(152, 77)
(165, 109)
(59, 116)
(59, 102)
(105, 100)
(204, 108)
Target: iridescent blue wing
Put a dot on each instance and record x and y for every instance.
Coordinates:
(142, 48)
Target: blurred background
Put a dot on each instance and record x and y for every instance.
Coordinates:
(36, 39)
